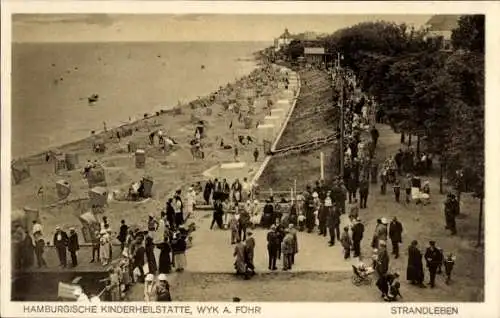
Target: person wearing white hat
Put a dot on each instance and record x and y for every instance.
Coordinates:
(149, 288)
(381, 230)
(163, 289)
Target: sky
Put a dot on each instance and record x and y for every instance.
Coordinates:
(191, 27)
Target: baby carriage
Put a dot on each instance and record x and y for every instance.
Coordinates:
(361, 275)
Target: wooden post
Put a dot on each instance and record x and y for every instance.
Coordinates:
(322, 168)
(295, 188)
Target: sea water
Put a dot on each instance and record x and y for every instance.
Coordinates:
(51, 83)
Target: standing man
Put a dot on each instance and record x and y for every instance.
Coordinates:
(309, 201)
(333, 222)
(407, 187)
(61, 242)
(451, 210)
(363, 192)
(122, 236)
(256, 154)
(322, 216)
(73, 246)
(352, 187)
(357, 235)
(273, 242)
(375, 135)
(395, 233)
(434, 258)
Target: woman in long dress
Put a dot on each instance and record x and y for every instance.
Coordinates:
(179, 252)
(239, 254)
(165, 263)
(415, 269)
(150, 255)
(105, 247)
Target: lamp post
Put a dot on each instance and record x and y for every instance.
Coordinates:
(340, 76)
(341, 102)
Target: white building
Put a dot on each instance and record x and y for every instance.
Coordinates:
(283, 40)
(441, 26)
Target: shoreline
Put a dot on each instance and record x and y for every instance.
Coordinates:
(138, 122)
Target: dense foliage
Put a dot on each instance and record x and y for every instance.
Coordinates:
(422, 89)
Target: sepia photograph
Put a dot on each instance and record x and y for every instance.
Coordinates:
(246, 158)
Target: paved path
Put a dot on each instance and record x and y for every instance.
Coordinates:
(212, 251)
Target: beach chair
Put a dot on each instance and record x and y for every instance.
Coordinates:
(359, 278)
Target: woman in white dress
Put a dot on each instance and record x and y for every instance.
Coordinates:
(105, 247)
(190, 201)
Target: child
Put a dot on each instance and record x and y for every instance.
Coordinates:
(397, 190)
(449, 262)
(345, 240)
(394, 292)
(302, 221)
(126, 279)
(234, 227)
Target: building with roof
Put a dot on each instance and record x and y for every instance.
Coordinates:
(314, 55)
(283, 40)
(441, 26)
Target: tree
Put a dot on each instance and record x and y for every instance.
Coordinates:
(294, 50)
(469, 35)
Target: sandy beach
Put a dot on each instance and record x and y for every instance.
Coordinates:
(170, 170)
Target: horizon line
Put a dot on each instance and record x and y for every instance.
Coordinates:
(142, 41)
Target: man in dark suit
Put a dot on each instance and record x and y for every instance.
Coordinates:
(433, 258)
(122, 236)
(333, 222)
(363, 192)
(61, 242)
(73, 246)
(395, 234)
(273, 247)
(357, 235)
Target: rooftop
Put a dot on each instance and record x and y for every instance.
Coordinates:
(314, 50)
(444, 22)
